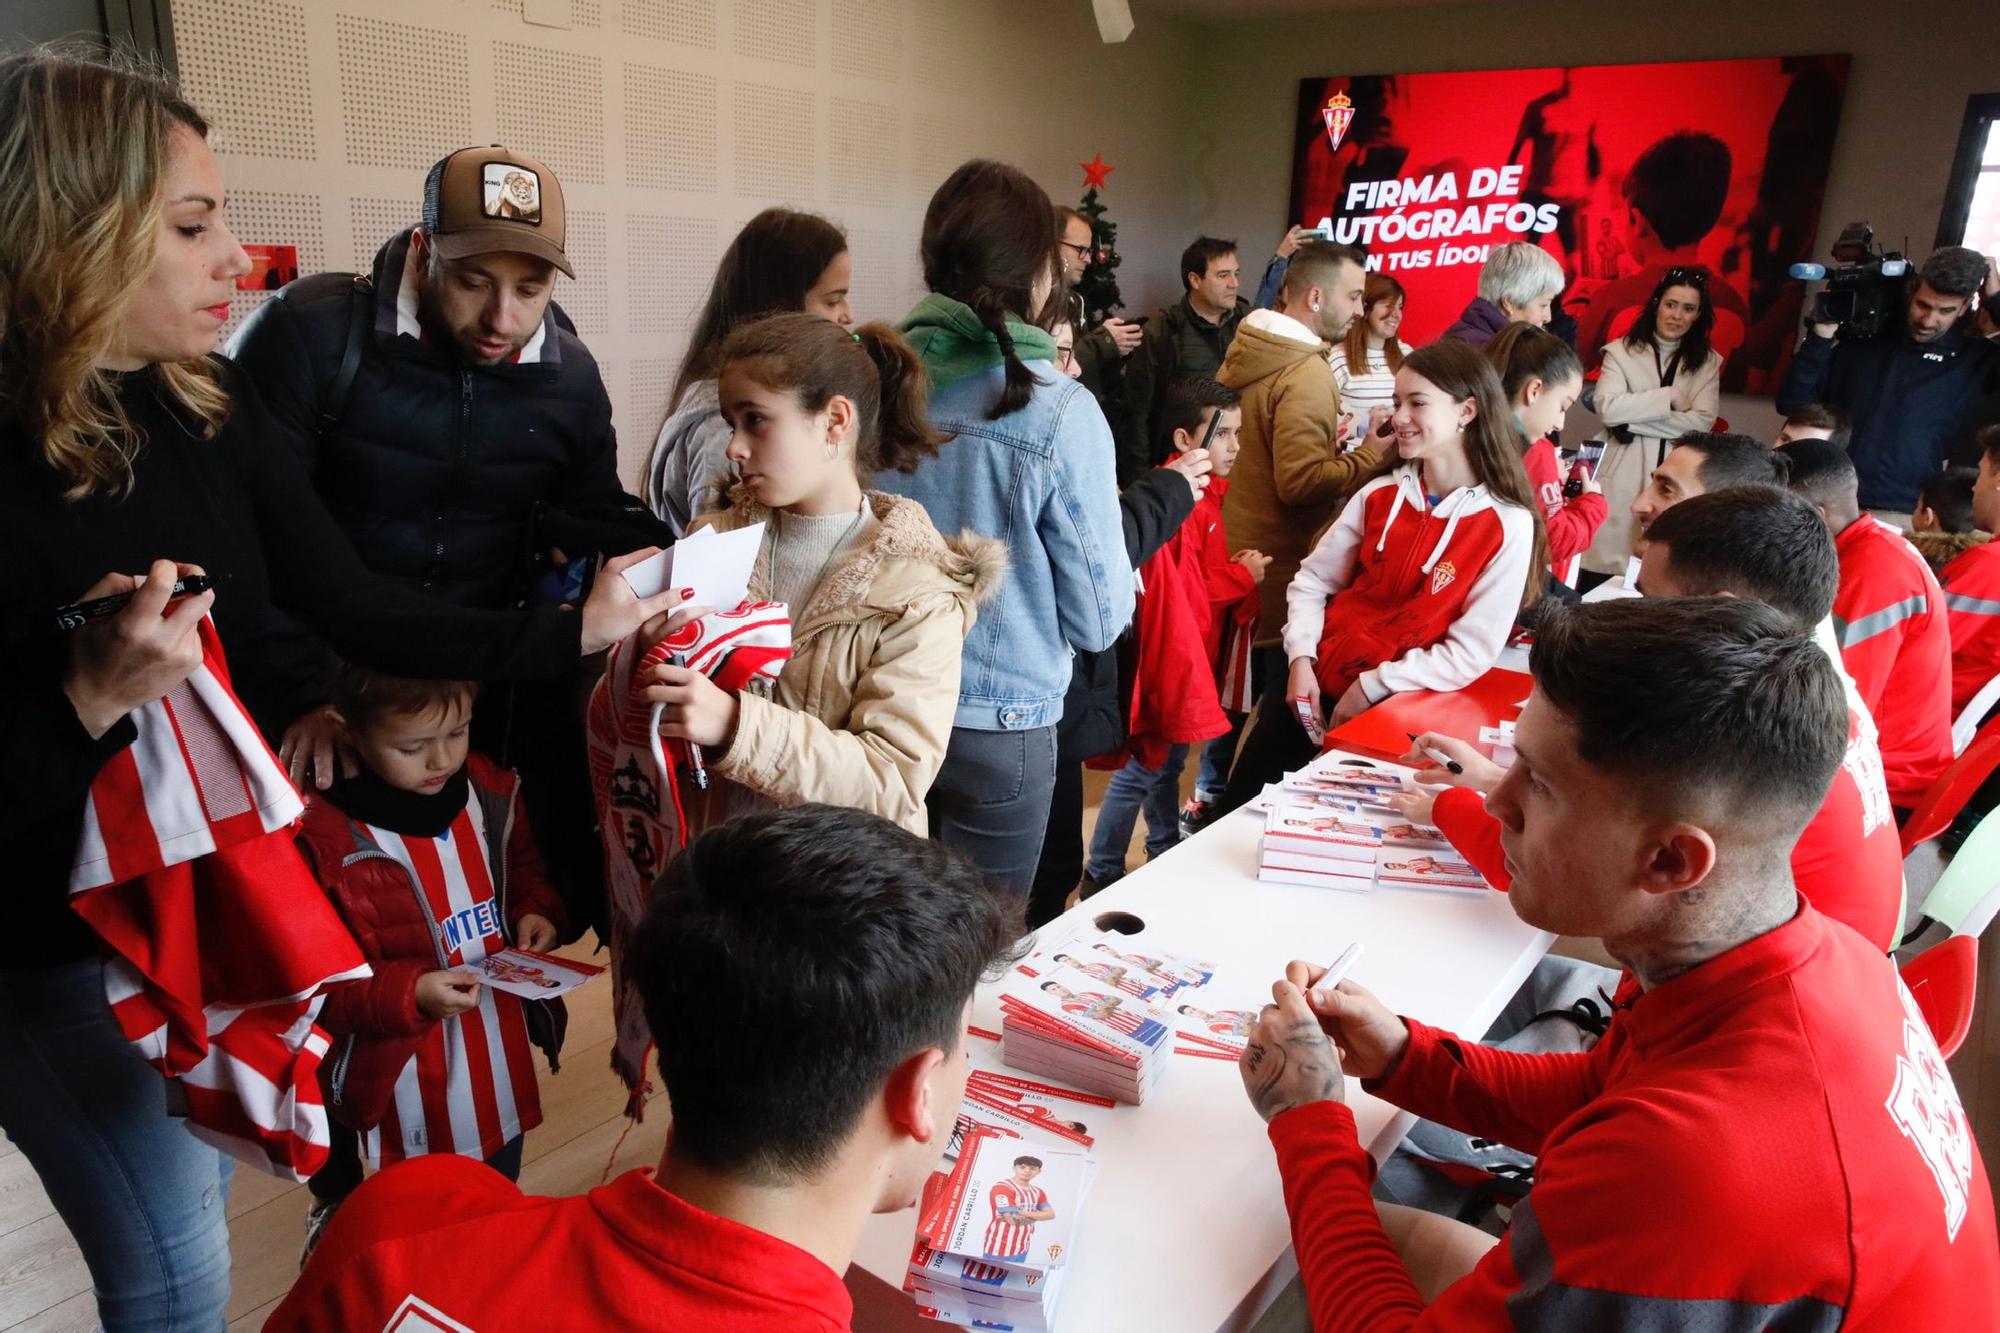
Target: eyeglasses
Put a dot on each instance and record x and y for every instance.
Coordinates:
(1065, 356)
(1688, 277)
(1081, 250)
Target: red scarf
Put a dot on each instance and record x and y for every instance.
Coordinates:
(219, 940)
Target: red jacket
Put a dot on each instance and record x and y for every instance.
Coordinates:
(1401, 595)
(1572, 522)
(1770, 1139)
(454, 1243)
(1848, 862)
(1896, 643)
(1187, 591)
(1972, 608)
(375, 1021)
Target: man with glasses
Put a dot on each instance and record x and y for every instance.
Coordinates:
(1097, 352)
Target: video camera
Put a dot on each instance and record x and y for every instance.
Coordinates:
(1864, 294)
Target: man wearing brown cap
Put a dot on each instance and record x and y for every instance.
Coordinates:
(459, 431)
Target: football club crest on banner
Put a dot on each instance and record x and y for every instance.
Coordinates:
(1441, 576)
(1338, 114)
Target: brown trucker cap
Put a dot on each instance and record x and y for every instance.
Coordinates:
(481, 200)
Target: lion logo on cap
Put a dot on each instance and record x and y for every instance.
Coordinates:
(512, 192)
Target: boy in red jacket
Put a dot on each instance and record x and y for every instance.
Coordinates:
(1194, 594)
(428, 857)
(808, 974)
(1771, 1092)
(1890, 614)
(1972, 587)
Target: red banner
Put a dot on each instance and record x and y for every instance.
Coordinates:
(1619, 171)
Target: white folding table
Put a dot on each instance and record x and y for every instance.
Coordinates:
(1185, 1228)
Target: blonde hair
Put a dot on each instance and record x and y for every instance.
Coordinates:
(84, 146)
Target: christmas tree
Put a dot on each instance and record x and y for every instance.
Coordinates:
(1099, 284)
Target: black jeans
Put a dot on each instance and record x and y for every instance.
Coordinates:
(991, 801)
(1276, 744)
(1061, 865)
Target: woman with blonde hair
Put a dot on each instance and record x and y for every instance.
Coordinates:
(129, 457)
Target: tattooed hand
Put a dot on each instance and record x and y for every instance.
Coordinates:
(1289, 1061)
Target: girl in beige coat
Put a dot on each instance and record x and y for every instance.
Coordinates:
(1661, 380)
(880, 602)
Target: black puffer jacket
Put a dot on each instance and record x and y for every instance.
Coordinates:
(448, 477)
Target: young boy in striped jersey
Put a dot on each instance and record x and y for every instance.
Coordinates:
(427, 855)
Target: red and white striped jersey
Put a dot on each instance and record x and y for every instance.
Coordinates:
(470, 1087)
(1005, 1238)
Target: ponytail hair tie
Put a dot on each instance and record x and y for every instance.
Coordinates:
(855, 336)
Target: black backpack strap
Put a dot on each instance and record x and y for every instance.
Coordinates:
(361, 300)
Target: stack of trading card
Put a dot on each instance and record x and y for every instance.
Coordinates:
(997, 1225)
(1096, 1026)
(1427, 867)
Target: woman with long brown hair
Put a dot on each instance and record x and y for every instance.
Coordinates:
(1030, 463)
(1365, 366)
(129, 456)
(1416, 584)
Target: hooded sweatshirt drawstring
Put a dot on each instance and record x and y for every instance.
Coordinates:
(1451, 509)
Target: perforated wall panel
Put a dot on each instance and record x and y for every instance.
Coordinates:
(777, 143)
(865, 153)
(264, 217)
(783, 30)
(669, 261)
(670, 129)
(588, 299)
(868, 38)
(404, 98)
(687, 22)
(219, 69)
(550, 105)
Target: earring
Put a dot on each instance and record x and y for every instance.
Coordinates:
(831, 450)
(1315, 307)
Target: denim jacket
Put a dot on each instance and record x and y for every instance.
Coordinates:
(1040, 480)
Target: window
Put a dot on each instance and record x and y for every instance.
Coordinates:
(1971, 214)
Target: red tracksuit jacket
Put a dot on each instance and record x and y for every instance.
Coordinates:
(1972, 607)
(1768, 1140)
(1896, 644)
(1402, 596)
(1572, 523)
(1848, 861)
(444, 1236)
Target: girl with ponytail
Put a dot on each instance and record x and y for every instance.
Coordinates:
(1416, 584)
(1030, 463)
(880, 602)
(1542, 377)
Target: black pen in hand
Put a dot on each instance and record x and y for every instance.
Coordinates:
(78, 614)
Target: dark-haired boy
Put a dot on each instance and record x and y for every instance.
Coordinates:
(813, 1060)
(1772, 1092)
(1941, 526)
(1890, 618)
(1972, 586)
(1196, 593)
(431, 861)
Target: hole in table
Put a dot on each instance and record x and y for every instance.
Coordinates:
(1119, 923)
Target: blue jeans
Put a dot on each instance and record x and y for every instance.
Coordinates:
(1216, 757)
(145, 1199)
(1133, 788)
(990, 801)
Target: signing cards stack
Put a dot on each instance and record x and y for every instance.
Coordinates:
(1324, 829)
(997, 1226)
(1104, 1035)
(1333, 830)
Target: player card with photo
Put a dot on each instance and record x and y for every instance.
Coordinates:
(1020, 1206)
(1428, 870)
(530, 975)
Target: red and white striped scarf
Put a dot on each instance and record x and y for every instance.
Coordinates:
(1236, 683)
(218, 938)
(638, 793)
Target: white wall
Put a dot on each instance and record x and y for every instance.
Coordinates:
(670, 123)
(1914, 65)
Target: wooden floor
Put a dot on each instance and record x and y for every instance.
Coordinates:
(44, 1287)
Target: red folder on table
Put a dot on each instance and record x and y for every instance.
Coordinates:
(1385, 729)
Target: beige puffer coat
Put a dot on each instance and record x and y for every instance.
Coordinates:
(862, 711)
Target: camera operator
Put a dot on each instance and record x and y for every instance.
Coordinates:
(1910, 394)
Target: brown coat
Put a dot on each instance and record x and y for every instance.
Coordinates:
(862, 711)
(1291, 477)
